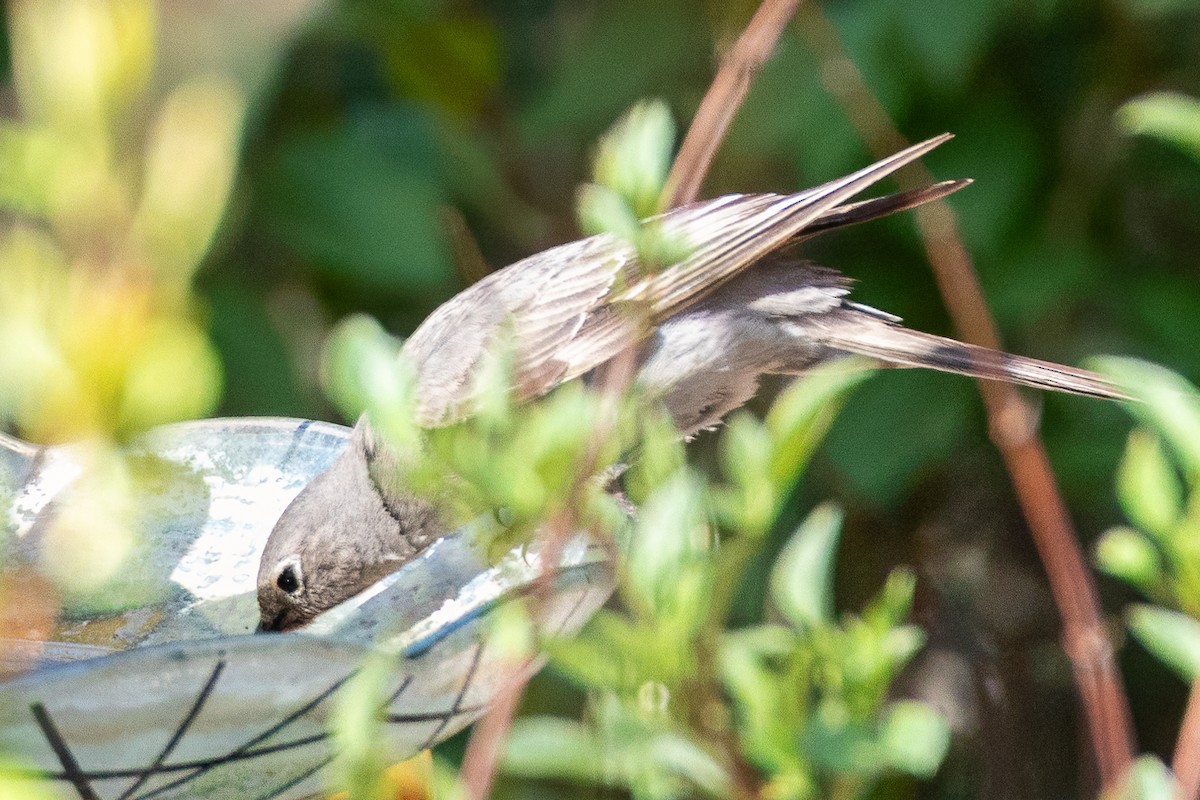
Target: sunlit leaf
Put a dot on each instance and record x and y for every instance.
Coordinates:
(670, 530)
(189, 172)
(511, 635)
(660, 454)
(361, 371)
(1148, 779)
(356, 724)
(552, 747)
(746, 454)
(606, 655)
(175, 375)
(894, 602)
(1168, 116)
(1147, 486)
(802, 414)
(915, 738)
(688, 760)
(602, 210)
(1172, 637)
(632, 159)
(1169, 404)
(1128, 555)
(903, 642)
(16, 783)
(802, 578)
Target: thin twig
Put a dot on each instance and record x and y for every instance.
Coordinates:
(1186, 763)
(724, 97)
(720, 103)
(1012, 424)
(483, 749)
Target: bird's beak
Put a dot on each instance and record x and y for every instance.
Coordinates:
(275, 626)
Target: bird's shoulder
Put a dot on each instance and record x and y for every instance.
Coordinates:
(536, 306)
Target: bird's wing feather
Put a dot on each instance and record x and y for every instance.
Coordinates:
(561, 307)
(720, 251)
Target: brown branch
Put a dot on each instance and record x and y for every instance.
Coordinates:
(483, 749)
(1186, 763)
(1012, 424)
(724, 97)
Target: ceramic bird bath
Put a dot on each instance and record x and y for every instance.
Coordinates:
(174, 697)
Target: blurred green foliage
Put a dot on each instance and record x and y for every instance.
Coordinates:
(1158, 554)
(398, 146)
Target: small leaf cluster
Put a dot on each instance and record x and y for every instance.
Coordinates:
(1158, 553)
(681, 703)
(114, 186)
(628, 176)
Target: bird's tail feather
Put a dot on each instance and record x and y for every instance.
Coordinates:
(856, 332)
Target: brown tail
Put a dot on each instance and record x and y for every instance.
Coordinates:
(856, 331)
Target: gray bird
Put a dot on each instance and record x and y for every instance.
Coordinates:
(715, 328)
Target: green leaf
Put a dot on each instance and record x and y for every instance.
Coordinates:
(834, 741)
(894, 602)
(634, 156)
(746, 451)
(688, 760)
(15, 783)
(903, 642)
(1172, 637)
(605, 655)
(1148, 779)
(361, 371)
(802, 578)
(602, 210)
(31, 162)
(1128, 555)
(660, 455)
(915, 738)
(1147, 485)
(1168, 116)
(670, 531)
(1170, 404)
(356, 723)
(550, 747)
(802, 414)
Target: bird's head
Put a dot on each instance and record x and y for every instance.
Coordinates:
(336, 538)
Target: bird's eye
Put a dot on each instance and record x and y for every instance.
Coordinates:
(288, 580)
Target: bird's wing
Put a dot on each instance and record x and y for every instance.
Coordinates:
(562, 308)
(538, 305)
(726, 240)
